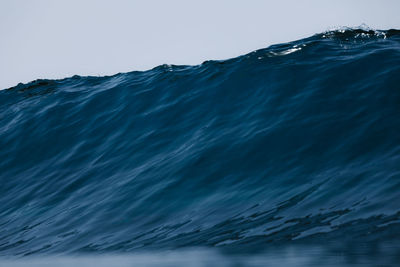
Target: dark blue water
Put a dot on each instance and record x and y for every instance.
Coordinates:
(294, 146)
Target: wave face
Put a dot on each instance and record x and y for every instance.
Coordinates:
(298, 143)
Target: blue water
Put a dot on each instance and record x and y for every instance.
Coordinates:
(290, 147)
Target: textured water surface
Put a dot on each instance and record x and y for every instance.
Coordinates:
(295, 147)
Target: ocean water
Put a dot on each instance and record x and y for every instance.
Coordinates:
(289, 155)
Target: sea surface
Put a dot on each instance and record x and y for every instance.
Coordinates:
(287, 156)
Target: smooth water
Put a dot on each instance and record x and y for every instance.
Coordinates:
(287, 155)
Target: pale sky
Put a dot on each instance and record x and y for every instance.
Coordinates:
(60, 38)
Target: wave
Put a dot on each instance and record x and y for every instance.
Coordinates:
(297, 143)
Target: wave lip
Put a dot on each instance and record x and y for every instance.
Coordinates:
(293, 145)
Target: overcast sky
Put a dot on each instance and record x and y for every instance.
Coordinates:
(60, 38)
